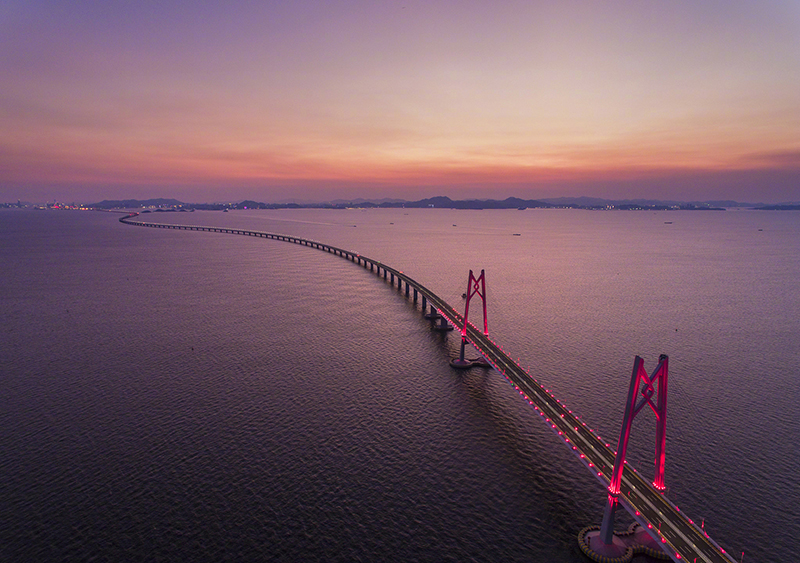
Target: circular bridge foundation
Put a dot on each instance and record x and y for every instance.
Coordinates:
(634, 541)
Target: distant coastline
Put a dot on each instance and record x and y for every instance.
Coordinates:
(440, 202)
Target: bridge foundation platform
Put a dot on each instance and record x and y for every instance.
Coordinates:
(624, 547)
(467, 363)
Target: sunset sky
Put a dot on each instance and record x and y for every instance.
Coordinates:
(311, 101)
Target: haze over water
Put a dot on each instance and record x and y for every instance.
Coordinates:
(184, 395)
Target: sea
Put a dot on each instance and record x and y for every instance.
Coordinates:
(171, 395)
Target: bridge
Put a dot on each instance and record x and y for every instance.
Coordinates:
(661, 528)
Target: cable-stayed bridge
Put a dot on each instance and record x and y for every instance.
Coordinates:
(660, 529)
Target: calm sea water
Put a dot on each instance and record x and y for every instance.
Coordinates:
(170, 395)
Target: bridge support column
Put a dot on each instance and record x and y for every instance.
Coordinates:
(607, 527)
(424, 303)
(443, 325)
(415, 295)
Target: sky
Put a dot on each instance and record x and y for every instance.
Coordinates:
(312, 101)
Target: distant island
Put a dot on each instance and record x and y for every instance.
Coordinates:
(440, 202)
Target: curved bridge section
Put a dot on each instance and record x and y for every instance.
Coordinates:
(680, 538)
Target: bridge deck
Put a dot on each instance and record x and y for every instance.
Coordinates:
(681, 538)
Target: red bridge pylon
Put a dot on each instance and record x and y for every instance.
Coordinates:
(638, 398)
(475, 286)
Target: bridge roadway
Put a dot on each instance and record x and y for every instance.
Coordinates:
(681, 538)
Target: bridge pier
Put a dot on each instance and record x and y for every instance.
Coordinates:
(461, 362)
(443, 325)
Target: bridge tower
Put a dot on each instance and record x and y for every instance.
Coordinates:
(475, 286)
(605, 544)
(656, 398)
